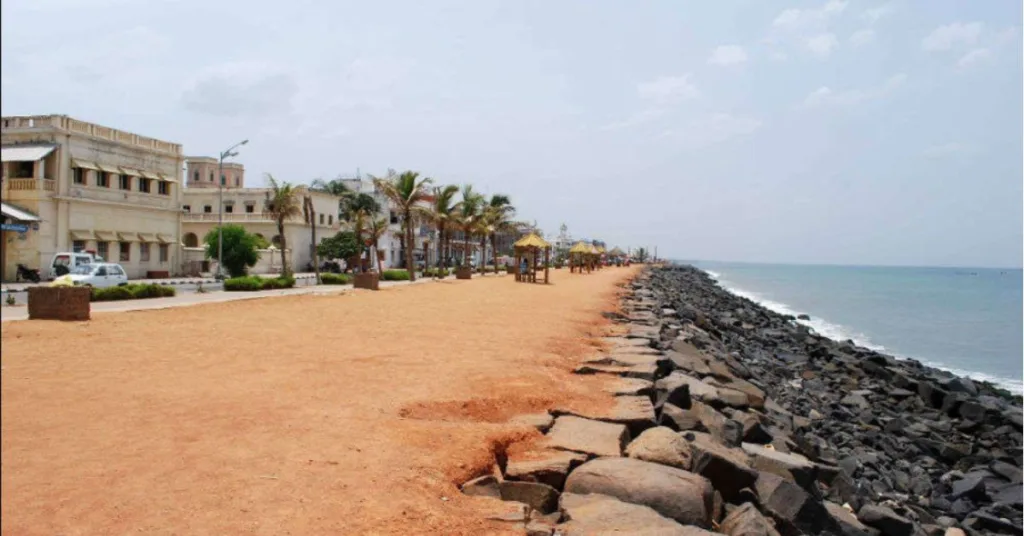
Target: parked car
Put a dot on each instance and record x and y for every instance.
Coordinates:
(65, 261)
(99, 275)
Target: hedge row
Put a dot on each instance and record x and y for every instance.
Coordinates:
(335, 279)
(252, 283)
(131, 292)
(394, 275)
(436, 272)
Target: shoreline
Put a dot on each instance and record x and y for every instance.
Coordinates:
(1014, 387)
(732, 419)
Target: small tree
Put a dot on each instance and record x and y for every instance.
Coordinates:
(239, 249)
(282, 204)
(340, 246)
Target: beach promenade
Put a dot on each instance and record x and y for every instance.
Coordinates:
(351, 413)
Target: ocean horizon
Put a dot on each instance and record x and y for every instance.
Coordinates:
(967, 320)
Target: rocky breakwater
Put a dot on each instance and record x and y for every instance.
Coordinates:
(731, 419)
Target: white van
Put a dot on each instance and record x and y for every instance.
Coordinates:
(70, 260)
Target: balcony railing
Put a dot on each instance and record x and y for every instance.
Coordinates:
(46, 185)
(214, 217)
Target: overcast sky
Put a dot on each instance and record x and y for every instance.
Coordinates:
(842, 132)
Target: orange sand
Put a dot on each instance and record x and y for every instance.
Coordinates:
(341, 414)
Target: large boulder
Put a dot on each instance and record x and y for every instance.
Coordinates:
(885, 520)
(540, 497)
(588, 436)
(728, 469)
(847, 523)
(483, 486)
(673, 493)
(594, 514)
(747, 521)
(661, 445)
(677, 418)
(547, 467)
(636, 412)
(790, 505)
(787, 465)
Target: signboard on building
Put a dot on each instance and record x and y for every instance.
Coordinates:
(19, 227)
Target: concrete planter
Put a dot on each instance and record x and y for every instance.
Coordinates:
(464, 272)
(367, 280)
(58, 303)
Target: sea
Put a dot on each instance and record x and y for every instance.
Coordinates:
(968, 321)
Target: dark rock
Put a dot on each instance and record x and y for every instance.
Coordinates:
(959, 384)
(844, 519)
(484, 486)
(791, 466)
(885, 520)
(732, 433)
(972, 487)
(931, 394)
(1007, 471)
(790, 505)
(540, 497)
(803, 317)
(982, 521)
(728, 469)
(673, 493)
(678, 419)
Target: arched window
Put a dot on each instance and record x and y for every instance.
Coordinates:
(196, 176)
(211, 176)
(191, 240)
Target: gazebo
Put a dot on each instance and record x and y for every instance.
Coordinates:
(600, 256)
(529, 247)
(581, 257)
(616, 254)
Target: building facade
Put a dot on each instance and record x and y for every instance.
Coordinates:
(89, 188)
(200, 213)
(201, 172)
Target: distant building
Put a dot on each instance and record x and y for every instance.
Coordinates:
(202, 172)
(200, 213)
(70, 185)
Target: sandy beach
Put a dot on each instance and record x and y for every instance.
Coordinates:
(344, 414)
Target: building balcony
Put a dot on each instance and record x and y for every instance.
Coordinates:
(27, 186)
(213, 217)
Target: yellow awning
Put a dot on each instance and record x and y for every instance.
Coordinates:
(106, 236)
(166, 178)
(580, 247)
(164, 238)
(83, 164)
(149, 175)
(130, 171)
(128, 237)
(147, 237)
(81, 234)
(108, 169)
(532, 241)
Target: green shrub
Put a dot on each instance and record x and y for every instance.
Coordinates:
(251, 283)
(335, 279)
(239, 248)
(131, 292)
(394, 275)
(436, 272)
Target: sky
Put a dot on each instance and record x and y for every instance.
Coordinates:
(835, 132)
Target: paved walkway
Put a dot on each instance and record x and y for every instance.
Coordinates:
(22, 287)
(8, 313)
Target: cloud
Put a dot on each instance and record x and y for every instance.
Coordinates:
(955, 35)
(668, 88)
(728, 55)
(237, 90)
(826, 96)
(793, 19)
(713, 129)
(949, 150)
(862, 37)
(822, 45)
(635, 119)
(874, 14)
(977, 55)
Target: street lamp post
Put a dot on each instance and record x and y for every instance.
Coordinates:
(220, 202)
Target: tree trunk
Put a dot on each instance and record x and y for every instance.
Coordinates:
(408, 246)
(494, 251)
(483, 252)
(312, 227)
(285, 269)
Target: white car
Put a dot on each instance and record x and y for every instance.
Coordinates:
(99, 275)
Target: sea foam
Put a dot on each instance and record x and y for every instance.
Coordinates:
(840, 333)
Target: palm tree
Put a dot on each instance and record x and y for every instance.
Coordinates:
(498, 213)
(282, 204)
(309, 213)
(469, 210)
(358, 208)
(377, 229)
(405, 192)
(442, 214)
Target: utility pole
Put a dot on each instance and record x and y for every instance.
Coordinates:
(220, 207)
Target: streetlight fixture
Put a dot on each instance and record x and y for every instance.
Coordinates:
(220, 209)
